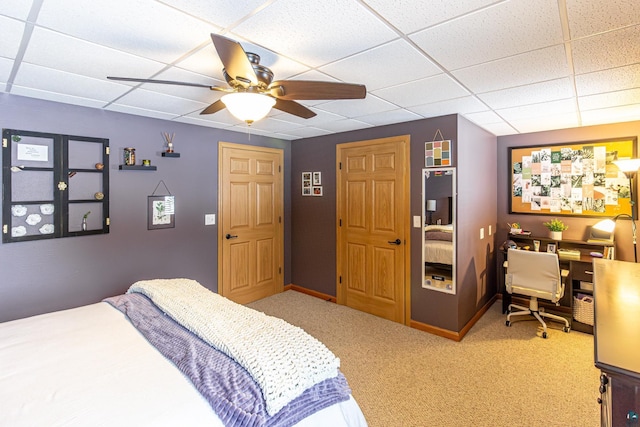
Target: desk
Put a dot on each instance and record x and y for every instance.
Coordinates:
(617, 338)
(580, 273)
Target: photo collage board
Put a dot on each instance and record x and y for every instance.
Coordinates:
(574, 179)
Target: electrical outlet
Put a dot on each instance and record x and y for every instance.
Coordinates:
(209, 219)
(482, 233)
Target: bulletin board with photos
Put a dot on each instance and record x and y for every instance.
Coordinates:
(571, 179)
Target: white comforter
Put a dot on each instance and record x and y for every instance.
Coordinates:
(89, 366)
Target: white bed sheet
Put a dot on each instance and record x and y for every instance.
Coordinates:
(438, 251)
(90, 366)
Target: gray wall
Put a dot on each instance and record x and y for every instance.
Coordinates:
(578, 227)
(48, 275)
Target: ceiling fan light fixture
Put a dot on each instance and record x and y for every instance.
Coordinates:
(248, 107)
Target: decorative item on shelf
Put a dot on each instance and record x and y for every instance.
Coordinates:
(99, 195)
(514, 228)
(84, 220)
(146, 162)
(99, 166)
(556, 227)
(169, 140)
(129, 156)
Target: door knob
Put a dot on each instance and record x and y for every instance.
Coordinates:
(396, 242)
(229, 236)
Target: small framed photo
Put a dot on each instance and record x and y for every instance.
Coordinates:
(317, 191)
(551, 247)
(306, 183)
(160, 212)
(317, 178)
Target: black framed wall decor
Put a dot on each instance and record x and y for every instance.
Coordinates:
(53, 185)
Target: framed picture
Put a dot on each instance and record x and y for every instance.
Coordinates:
(571, 179)
(306, 183)
(160, 212)
(437, 154)
(551, 247)
(317, 191)
(317, 178)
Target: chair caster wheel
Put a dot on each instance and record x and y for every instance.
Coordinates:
(544, 335)
(508, 323)
(566, 329)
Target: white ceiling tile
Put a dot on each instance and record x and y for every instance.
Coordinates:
(389, 117)
(202, 121)
(307, 132)
(12, 31)
(204, 61)
(54, 50)
(608, 80)
(200, 94)
(550, 63)
(5, 69)
(413, 15)
(611, 99)
(357, 107)
(274, 125)
(139, 111)
(57, 97)
(144, 28)
(15, 8)
(625, 113)
(466, 104)
(499, 129)
(484, 118)
(317, 32)
(432, 89)
(221, 13)
(318, 120)
(54, 81)
(549, 122)
(344, 125)
(387, 65)
(608, 50)
(154, 101)
(552, 90)
(538, 110)
(587, 17)
(507, 29)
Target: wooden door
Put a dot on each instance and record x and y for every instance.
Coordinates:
(250, 234)
(373, 227)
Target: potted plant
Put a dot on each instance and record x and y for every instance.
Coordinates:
(84, 221)
(556, 227)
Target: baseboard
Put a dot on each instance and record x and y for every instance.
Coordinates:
(452, 335)
(322, 296)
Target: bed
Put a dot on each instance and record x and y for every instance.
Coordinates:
(133, 360)
(438, 245)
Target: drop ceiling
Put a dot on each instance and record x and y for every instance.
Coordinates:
(511, 67)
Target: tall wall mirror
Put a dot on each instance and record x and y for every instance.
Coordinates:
(439, 236)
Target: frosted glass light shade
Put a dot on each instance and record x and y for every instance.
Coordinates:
(248, 107)
(628, 166)
(431, 205)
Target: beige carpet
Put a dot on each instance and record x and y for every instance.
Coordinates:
(496, 376)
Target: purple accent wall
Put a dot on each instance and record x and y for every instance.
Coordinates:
(578, 227)
(49, 275)
(314, 218)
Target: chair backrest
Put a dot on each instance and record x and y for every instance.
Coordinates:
(535, 274)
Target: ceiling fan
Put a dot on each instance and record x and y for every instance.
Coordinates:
(252, 86)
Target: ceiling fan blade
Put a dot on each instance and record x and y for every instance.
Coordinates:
(165, 82)
(309, 89)
(294, 108)
(235, 60)
(213, 108)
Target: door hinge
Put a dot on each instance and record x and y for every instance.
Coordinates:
(107, 221)
(5, 228)
(279, 270)
(5, 143)
(340, 222)
(279, 168)
(340, 165)
(340, 279)
(107, 150)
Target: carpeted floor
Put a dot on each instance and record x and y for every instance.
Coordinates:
(496, 376)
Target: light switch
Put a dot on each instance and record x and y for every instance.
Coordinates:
(417, 221)
(209, 219)
(489, 230)
(482, 233)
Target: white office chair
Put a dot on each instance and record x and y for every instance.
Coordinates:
(537, 275)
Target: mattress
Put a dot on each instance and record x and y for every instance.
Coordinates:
(438, 252)
(90, 366)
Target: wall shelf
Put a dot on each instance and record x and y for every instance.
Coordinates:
(165, 154)
(136, 168)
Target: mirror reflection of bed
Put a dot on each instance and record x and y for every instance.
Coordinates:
(439, 233)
